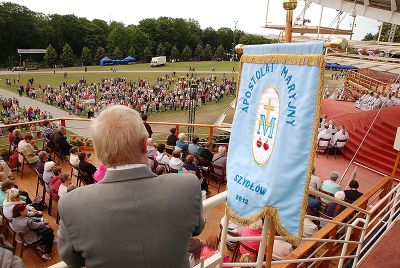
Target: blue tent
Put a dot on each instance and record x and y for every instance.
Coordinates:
(106, 61)
(130, 59)
(335, 66)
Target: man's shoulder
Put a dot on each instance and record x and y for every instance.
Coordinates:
(187, 180)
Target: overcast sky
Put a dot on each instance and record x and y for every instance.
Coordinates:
(250, 14)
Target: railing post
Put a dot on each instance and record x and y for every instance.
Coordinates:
(330, 247)
(364, 230)
(211, 134)
(63, 122)
(177, 130)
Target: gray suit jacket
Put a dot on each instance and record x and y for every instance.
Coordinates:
(131, 219)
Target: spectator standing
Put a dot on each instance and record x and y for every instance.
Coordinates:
(130, 192)
(172, 139)
(147, 125)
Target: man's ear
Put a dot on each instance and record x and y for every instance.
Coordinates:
(144, 145)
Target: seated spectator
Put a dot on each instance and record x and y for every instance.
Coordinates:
(43, 156)
(206, 152)
(85, 165)
(8, 259)
(12, 198)
(100, 173)
(315, 184)
(210, 247)
(195, 247)
(151, 151)
(48, 174)
(353, 194)
(326, 135)
(172, 139)
(254, 229)
(234, 228)
(182, 145)
(160, 170)
(194, 147)
(26, 148)
(55, 182)
(65, 183)
(162, 156)
(341, 135)
(281, 250)
(331, 186)
(34, 229)
(60, 141)
(74, 159)
(17, 136)
(147, 126)
(219, 159)
(6, 169)
(332, 128)
(334, 209)
(7, 185)
(309, 228)
(191, 166)
(175, 162)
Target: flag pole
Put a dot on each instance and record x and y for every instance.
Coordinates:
(270, 242)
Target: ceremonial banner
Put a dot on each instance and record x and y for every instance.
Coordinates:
(274, 131)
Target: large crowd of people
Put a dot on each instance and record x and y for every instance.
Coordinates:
(168, 92)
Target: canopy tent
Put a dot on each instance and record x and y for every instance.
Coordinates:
(119, 62)
(335, 66)
(130, 59)
(106, 61)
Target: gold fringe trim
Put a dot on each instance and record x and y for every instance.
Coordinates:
(308, 60)
(304, 59)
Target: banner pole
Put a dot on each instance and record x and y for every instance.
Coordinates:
(270, 245)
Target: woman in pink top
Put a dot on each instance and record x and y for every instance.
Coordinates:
(100, 173)
(253, 229)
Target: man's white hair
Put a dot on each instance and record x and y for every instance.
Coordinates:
(221, 149)
(181, 136)
(118, 135)
(49, 165)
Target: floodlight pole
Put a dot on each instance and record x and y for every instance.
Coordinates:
(192, 109)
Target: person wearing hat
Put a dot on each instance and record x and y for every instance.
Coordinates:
(331, 186)
(34, 230)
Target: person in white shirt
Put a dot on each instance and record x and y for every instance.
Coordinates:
(332, 127)
(341, 135)
(162, 157)
(377, 103)
(324, 134)
(74, 160)
(175, 162)
(65, 182)
(361, 100)
(315, 181)
(151, 149)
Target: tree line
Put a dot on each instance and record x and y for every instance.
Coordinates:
(384, 34)
(72, 40)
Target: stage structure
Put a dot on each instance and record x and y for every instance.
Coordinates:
(29, 51)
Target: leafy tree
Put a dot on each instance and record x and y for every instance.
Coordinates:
(160, 50)
(100, 53)
(51, 56)
(251, 39)
(199, 52)
(219, 53)
(225, 37)
(86, 56)
(208, 52)
(174, 53)
(131, 52)
(67, 56)
(147, 54)
(186, 53)
(369, 37)
(117, 54)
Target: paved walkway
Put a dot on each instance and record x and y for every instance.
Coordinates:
(81, 128)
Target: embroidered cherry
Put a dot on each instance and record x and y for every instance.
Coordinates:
(259, 142)
(266, 146)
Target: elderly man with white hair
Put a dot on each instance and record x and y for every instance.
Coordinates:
(220, 158)
(132, 218)
(331, 186)
(181, 145)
